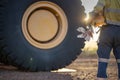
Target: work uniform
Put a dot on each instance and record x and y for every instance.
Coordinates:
(109, 36)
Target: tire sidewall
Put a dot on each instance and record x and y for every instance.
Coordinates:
(23, 51)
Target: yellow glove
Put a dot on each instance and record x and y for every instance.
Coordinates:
(98, 21)
(94, 19)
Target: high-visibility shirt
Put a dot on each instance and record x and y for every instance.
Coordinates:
(110, 10)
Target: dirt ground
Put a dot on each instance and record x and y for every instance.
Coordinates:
(83, 68)
(87, 68)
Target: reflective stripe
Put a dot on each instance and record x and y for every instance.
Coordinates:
(112, 22)
(103, 60)
(101, 79)
(118, 60)
(112, 10)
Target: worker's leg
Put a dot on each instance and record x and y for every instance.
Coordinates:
(116, 48)
(103, 55)
(104, 48)
(117, 56)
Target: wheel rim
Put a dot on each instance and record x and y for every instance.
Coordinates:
(44, 25)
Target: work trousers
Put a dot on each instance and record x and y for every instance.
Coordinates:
(109, 39)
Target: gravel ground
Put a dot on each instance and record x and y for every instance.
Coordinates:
(83, 69)
(15, 75)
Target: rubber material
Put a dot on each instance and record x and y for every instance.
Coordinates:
(16, 50)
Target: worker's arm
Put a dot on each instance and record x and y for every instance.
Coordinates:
(96, 16)
(99, 7)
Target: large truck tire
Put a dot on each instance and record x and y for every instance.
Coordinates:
(40, 35)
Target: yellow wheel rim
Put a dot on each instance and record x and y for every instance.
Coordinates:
(44, 25)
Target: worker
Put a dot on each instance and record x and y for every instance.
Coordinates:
(110, 35)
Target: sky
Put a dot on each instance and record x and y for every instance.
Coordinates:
(89, 5)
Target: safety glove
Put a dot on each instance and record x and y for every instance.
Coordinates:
(87, 34)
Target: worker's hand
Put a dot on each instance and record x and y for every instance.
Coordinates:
(99, 21)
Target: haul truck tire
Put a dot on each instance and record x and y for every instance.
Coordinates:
(40, 35)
